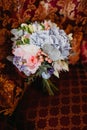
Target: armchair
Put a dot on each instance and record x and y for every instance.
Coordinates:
(71, 15)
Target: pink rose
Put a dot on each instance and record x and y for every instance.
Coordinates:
(33, 64)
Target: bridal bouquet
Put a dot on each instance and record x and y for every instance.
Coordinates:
(41, 49)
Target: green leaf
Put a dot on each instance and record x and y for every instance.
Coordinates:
(26, 40)
(28, 30)
(19, 42)
(43, 27)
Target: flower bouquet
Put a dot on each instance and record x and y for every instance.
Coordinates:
(41, 49)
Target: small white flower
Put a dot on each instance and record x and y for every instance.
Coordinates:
(24, 25)
(70, 36)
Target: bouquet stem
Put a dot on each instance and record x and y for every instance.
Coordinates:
(49, 86)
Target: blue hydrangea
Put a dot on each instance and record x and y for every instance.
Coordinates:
(54, 42)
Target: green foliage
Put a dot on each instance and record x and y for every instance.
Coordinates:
(19, 42)
(43, 68)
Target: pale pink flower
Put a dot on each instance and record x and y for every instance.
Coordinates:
(25, 51)
(47, 25)
(33, 64)
(18, 52)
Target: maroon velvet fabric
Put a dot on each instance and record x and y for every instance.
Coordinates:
(66, 110)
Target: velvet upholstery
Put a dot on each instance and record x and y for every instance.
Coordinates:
(70, 15)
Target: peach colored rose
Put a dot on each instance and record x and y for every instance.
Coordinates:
(33, 64)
